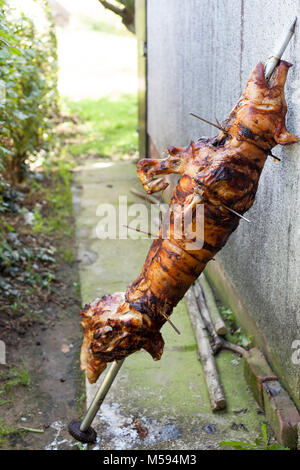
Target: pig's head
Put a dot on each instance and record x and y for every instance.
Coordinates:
(259, 116)
(112, 331)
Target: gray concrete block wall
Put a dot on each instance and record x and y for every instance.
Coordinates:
(200, 55)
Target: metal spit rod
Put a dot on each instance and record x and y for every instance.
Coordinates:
(100, 395)
(274, 59)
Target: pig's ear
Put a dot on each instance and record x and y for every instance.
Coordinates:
(258, 75)
(281, 74)
(285, 138)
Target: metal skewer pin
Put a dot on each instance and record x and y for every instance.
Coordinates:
(82, 430)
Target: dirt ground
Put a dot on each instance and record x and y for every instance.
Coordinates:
(41, 387)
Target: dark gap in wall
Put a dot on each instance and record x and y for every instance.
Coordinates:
(242, 43)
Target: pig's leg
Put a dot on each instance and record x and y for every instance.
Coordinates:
(152, 172)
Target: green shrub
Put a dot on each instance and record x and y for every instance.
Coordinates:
(28, 71)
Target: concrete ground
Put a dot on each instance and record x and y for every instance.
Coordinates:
(152, 405)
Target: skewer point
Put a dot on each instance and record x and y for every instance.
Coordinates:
(293, 25)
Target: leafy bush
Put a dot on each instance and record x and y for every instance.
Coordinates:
(28, 73)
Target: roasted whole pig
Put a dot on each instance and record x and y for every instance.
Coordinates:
(221, 173)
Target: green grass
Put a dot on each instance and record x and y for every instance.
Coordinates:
(5, 431)
(261, 443)
(15, 377)
(68, 255)
(4, 402)
(108, 126)
(101, 25)
(59, 198)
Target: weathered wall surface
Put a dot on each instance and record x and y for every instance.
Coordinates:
(200, 55)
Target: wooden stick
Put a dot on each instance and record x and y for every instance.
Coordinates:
(214, 386)
(222, 343)
(209, 122)
(216, 342)
(145, 196)
(141, 231)
(234, 348)
(170, 322)
(218, 126)
(270, 154)
(217, 320)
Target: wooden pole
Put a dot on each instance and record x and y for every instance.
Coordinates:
(216, 342)
(214, 386)
(217, 320)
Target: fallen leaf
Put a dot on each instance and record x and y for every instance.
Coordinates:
(65, 348)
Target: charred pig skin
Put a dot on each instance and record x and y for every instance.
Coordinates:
(219, 173)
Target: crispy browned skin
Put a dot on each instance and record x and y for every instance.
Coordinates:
(220, 171)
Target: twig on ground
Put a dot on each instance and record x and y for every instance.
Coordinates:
(40, 431)
(234, 348)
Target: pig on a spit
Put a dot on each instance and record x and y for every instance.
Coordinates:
(221, 173)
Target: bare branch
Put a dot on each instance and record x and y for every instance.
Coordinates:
(234, 348)
(113, 8)
(127, 13)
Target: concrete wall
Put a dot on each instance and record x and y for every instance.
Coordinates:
(200, 54)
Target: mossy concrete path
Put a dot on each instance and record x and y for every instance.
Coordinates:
(151, 405)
